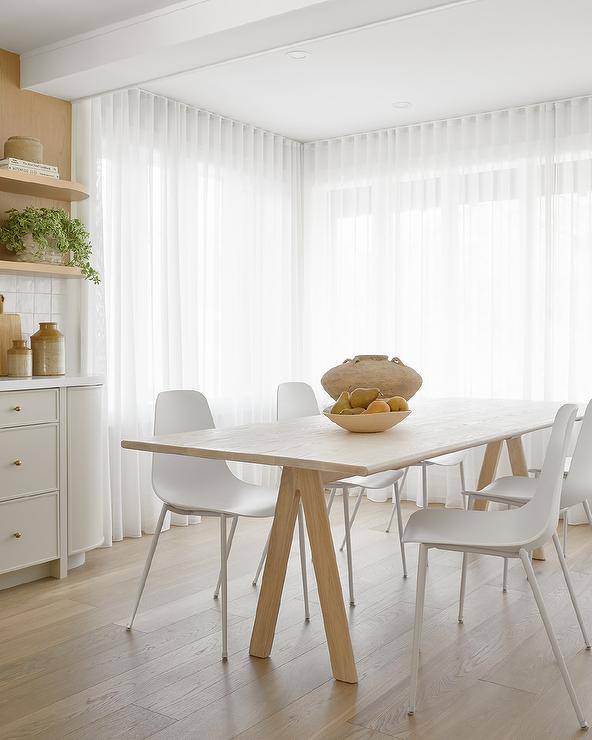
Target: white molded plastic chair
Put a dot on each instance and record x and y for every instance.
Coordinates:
(295, 400)
(512, 533)
(577, 484)
(196, 486)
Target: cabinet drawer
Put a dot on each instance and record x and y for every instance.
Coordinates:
(28, 461)
(18, 408)
(36, 521)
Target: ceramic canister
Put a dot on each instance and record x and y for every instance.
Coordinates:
(24, 147)
(19, 360)
(49, 350)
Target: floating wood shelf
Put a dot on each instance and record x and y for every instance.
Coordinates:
(39, 186)
(39, 269)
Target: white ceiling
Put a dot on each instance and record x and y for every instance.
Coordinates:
(469, 58)
(29, 24)
(445, 57)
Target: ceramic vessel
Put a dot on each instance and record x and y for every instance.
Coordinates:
(367, 423)
(393, 377)
(33, 252)
(49, 350)
(20, 360)
(24, 147)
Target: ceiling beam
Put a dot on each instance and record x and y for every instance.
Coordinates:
(196, 34)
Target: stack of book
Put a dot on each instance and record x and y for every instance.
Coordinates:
(30, 168)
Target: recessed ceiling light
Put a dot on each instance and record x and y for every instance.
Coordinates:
(298, 54)
(400, 104)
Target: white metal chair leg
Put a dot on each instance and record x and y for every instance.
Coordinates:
(424, 485)
(353, 516)
(588, 512)
(350, 574)
(148, 563)
(463, 588)
(262, 560)
(565, 533)
(552, 639)
(570, 588)
(463, 485)
(505, 577)
(392, 516)
(224, 572)
(400, 525)
(228, 546)
(463, 575)
(394, 506)
(330, 501)
(419, 602)
(302, 548)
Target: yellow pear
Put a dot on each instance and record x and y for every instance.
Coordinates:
(341, 403)
(353, 412)
(362, 397)
(398, 403)
(378, 407)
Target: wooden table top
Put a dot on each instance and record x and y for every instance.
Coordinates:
(435, 427)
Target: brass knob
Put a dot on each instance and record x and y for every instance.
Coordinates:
(18, 535)
(18, 462)
(17, 408)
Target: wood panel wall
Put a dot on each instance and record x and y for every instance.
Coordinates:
(25, 113)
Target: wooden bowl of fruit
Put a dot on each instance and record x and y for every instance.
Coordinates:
(365, 411)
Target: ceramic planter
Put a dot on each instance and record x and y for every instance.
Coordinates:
(393, 377)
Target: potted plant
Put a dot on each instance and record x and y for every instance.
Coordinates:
(48, 235)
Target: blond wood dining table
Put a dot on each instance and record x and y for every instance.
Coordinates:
(313, 451)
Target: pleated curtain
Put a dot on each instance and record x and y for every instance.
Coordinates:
(234, 259)
(195, 224)
(464, 247)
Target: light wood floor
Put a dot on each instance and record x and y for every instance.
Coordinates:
(69, 669)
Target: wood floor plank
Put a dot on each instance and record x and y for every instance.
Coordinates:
(131, 723)
(80, 675)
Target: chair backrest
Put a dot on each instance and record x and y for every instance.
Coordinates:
(295, 400)
(541, 514)
(185, 411)
(577, 487)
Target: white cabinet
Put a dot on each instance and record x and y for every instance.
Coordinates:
(50, 476)
(83, 435)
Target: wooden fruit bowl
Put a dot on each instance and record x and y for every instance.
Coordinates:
(367, 423)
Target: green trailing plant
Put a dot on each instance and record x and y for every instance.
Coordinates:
(50, 228)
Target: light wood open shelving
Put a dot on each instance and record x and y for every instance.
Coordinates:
(39, 186)
(32, 269)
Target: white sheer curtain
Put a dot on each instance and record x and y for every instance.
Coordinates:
(463, 246)
(195, 222)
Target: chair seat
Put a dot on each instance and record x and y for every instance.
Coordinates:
(376, 480)
(495, 530)
(513, 488)
(238, 499)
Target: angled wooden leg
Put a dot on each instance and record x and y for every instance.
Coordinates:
(274, 574)
(519, 467)
(309, 484)
(488, 470)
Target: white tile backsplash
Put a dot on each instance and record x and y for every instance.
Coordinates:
(35, 299)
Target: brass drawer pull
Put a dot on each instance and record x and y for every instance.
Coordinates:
(17, 408)
(18, 463)
(18, 535)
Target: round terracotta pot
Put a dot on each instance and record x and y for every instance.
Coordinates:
(393, 377)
